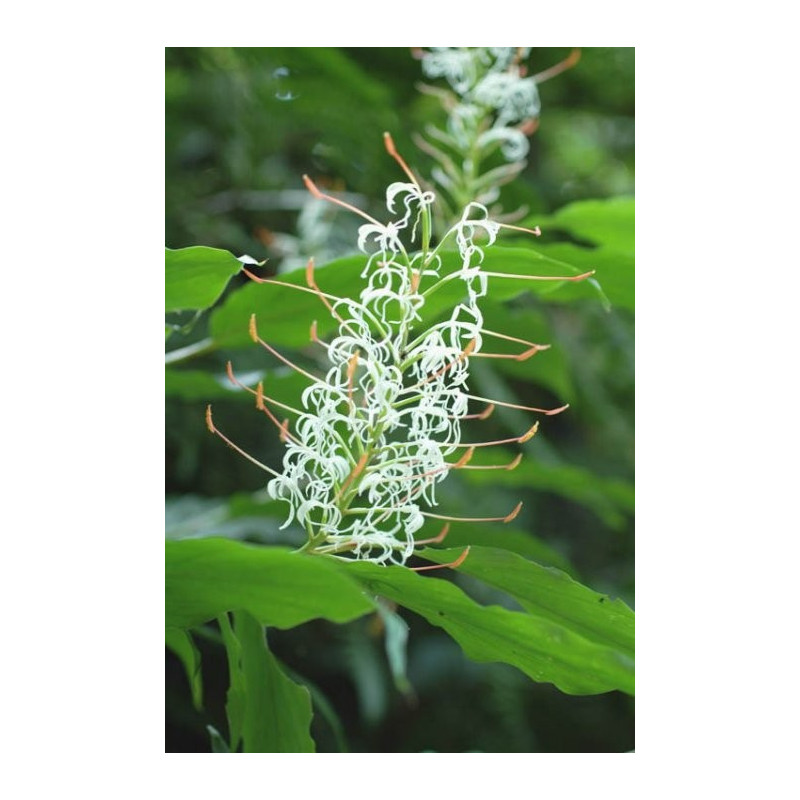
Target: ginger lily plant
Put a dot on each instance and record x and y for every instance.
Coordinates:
(379, 431)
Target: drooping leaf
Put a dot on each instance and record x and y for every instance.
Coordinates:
(549, 594)
(236, 698)
(277, 711)
(182, 644)
(544, 650)
(197, 276)
(280, 588)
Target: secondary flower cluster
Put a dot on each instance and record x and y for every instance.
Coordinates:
(492, 104)
(372, 441)
(489, 82)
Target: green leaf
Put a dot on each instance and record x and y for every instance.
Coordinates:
(609, 225)
(197, 276)
(236, 700)
(549, 594)
(277, 712)
(182, 644)
(207, 577)
(605, 223)
(543, 649)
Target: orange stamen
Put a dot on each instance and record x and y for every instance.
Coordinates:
(214, 430)
(312, 187)
(570, 61)
(438, 539)
(517, 439)
(573, 278)
(548, 412)
(507, 518)
(392, 151)
(511, 465)
(453, 564)
(465, 353)
(256, 338)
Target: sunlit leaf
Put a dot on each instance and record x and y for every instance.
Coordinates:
(197, 276)
(544, 650)
(207, 577)
(549, 594)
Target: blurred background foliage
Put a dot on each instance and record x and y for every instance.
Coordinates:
(242, 126)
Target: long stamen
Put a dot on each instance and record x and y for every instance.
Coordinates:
(392, 151)
(582, 277)
(438, 539)
(213, 429)
(312, 187)
(507, 518)
(511, 465)
(258, 392)
(524, 356)
(535, 231)
(256, 338)
(515, 339)
(458, 465)
(453, 564)
(529, 434)
(547, 412)
(485, 414)
(570, 61)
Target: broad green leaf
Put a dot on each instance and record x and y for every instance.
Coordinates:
(549, 594)
(277, 712)
(543, 649)
(609, 225)
(182, 644)
(197, 276)
(236, 699)
(207, 577)
(605, 223)
(284, 314)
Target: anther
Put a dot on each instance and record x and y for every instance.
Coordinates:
(513, 514)
(392, 151)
